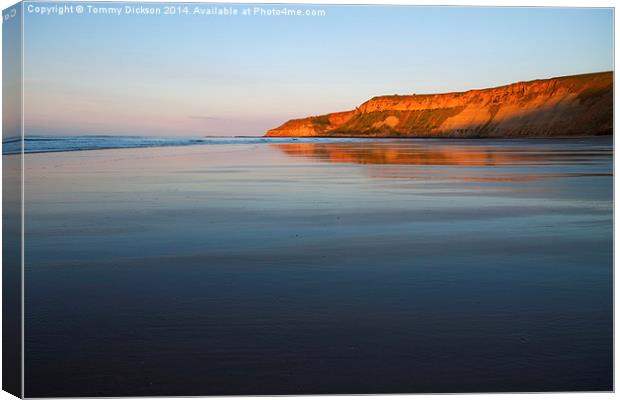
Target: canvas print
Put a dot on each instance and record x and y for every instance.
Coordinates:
(264, 199)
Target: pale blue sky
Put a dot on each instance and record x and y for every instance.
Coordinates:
(197, 75)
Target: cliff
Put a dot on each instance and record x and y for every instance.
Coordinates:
(565, 106)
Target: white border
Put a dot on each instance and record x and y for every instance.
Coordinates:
(515, 3)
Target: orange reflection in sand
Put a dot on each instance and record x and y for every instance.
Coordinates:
(401, 154)
(408, 154)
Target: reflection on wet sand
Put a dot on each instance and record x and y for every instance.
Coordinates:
(465, 161)
(435, 153)
(401, 262)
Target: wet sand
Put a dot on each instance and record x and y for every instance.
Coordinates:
(383, 266)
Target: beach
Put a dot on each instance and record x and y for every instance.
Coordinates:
(376, 266)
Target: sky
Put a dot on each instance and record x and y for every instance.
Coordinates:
(11, 78)
(197, 75)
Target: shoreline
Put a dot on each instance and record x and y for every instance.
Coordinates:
(53, 146)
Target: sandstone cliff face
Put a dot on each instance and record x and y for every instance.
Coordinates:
(566, 106)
